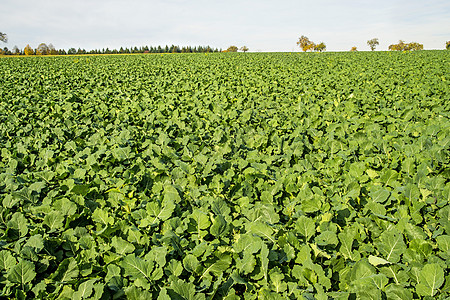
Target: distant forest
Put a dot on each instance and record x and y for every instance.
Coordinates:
(44, 49)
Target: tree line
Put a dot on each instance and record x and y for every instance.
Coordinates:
(44, 49)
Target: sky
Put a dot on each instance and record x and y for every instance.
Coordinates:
(261, 25)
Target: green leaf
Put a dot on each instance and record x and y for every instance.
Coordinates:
(397, 292)
(67, 271)
(219, 226)
(380, 195)
(22, 273)
(246, 264)
(218, 266)
(391, 245)
(306, 227)
(135, 293)
(276, 280)
(84, 290)
(36, 241)
(101, 216)
(136, 268)
(122, 247)
(191, 263)
(431, 277)
(376, 261)
(7, 261)
(171, 194)
(181, 290)
(157, 213)
(54, 220)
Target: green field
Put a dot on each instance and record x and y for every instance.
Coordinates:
(226, 176)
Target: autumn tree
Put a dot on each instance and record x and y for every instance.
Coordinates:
(232, 49)
(244, 49)
(305, 43)
(447, 45)
(373, 43)
(402, 46)
(3, 37)
(354, 49)
(28, 50)
(320, 47)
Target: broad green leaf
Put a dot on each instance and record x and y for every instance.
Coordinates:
(67, 270)
(397, 292)
(36, 241)
(391, 245)
(84, 289)
(246, 264)
(306, 227)
(7, 261)
(181, 290)
(216, 267)
(276, 280)
(380, 195)
(22, 273)
(171, 194)
(19, 223)
(431, 278)
(54, 220)
(121, 246)
(376, 261)
(137, 268)
(135, 293)
(191, 263)
(102, 216)
(219, 226)
(157, 213)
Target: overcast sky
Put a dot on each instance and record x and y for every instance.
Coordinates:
(261, 25)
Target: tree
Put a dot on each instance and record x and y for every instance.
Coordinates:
(232, 49)
(52, 50)
(373, 43)
(354, 49)
(72, 51)
(244, 49)
(16, 50)
(402, 46)
(28, 50)
(3, 37)
(320, 47)
(447, 45)
(42, 49)
(305, 43)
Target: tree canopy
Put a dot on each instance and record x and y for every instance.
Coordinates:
(373, 43)
(3, 37)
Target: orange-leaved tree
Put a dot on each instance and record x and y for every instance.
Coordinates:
(28, 50)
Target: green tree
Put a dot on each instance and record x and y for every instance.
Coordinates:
(52, 50)
(232, 49)
(304, 43)
(373, 43)
(3, 37)
(244, 49)
(42, 49)
(16, 50)
(320, 47)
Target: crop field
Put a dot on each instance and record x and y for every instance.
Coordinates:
(226, 176)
